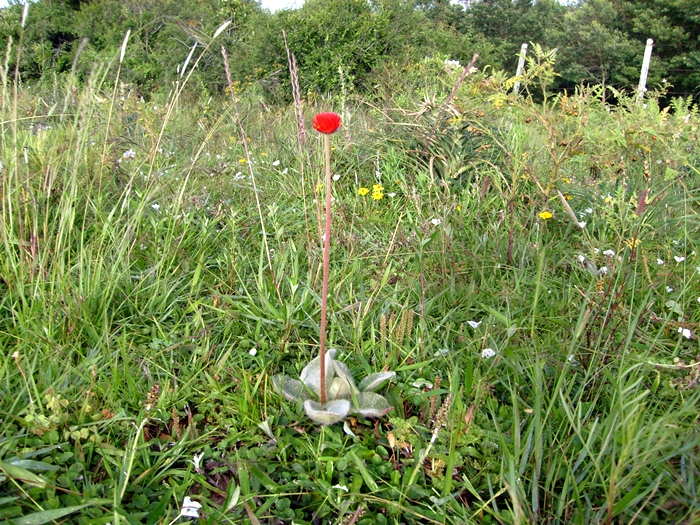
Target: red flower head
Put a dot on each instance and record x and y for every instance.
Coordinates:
(327, 122)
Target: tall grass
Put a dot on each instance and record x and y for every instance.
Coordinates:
(141, 320)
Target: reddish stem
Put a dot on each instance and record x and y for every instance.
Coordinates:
(326, 262)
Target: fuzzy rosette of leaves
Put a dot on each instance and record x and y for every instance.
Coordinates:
(343, 396)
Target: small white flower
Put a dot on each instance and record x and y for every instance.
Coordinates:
(129, 154)
(660, 262)
(336, 177)
(190, 508)
(435, 222)
(581, 259)
(685, 332)
(582, 224)
(284, 171)
(276, 163)
(156, 206)
(609, 253)
(197, 460)
(597, 251)
(2, 166)
(253, 352)
(699, 299)
(474, 324)
(603, 270)
(392, 194)
(669, 289)
(589, 210)
(679, 259)
(488, 353)
(473, 69)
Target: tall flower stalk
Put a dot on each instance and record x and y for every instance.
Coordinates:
(346, 397)
(326, 123)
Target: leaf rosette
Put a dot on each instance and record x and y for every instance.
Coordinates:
(343, 396)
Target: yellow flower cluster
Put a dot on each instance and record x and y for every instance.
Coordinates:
(377, 192)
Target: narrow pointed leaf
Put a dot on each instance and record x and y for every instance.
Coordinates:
(370, 404)
(19, 473)
(332, 412)
(48, 516)
(375, 381)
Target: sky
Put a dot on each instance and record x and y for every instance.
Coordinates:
(275, 5)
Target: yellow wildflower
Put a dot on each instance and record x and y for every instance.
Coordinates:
(377, 195)
(544, 215)
(319, 187)
(242, 161)
(363, 191)
(632, 243)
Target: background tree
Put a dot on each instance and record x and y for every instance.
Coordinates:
(593, 49)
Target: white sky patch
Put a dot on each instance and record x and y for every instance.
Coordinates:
(276, 5)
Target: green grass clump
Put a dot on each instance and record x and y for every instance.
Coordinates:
(528, 270)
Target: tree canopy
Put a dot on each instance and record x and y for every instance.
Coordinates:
(342, 44)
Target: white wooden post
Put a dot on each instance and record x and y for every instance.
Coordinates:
(521, 66)
(645, 69)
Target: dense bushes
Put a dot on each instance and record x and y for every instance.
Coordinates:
(342, 45)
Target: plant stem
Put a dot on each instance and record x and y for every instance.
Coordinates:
(326, 261)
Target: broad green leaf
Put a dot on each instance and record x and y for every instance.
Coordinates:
(290, 388)
(370, 404)
(332, 412)
(311, 374)
(375, 381)
(343, 386)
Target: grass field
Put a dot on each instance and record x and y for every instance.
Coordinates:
(528, 270)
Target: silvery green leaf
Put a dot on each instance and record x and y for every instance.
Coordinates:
(343, 386)
(332, 412)
(370, 404)
(290, 388)
(375, 381)
(311, 374)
